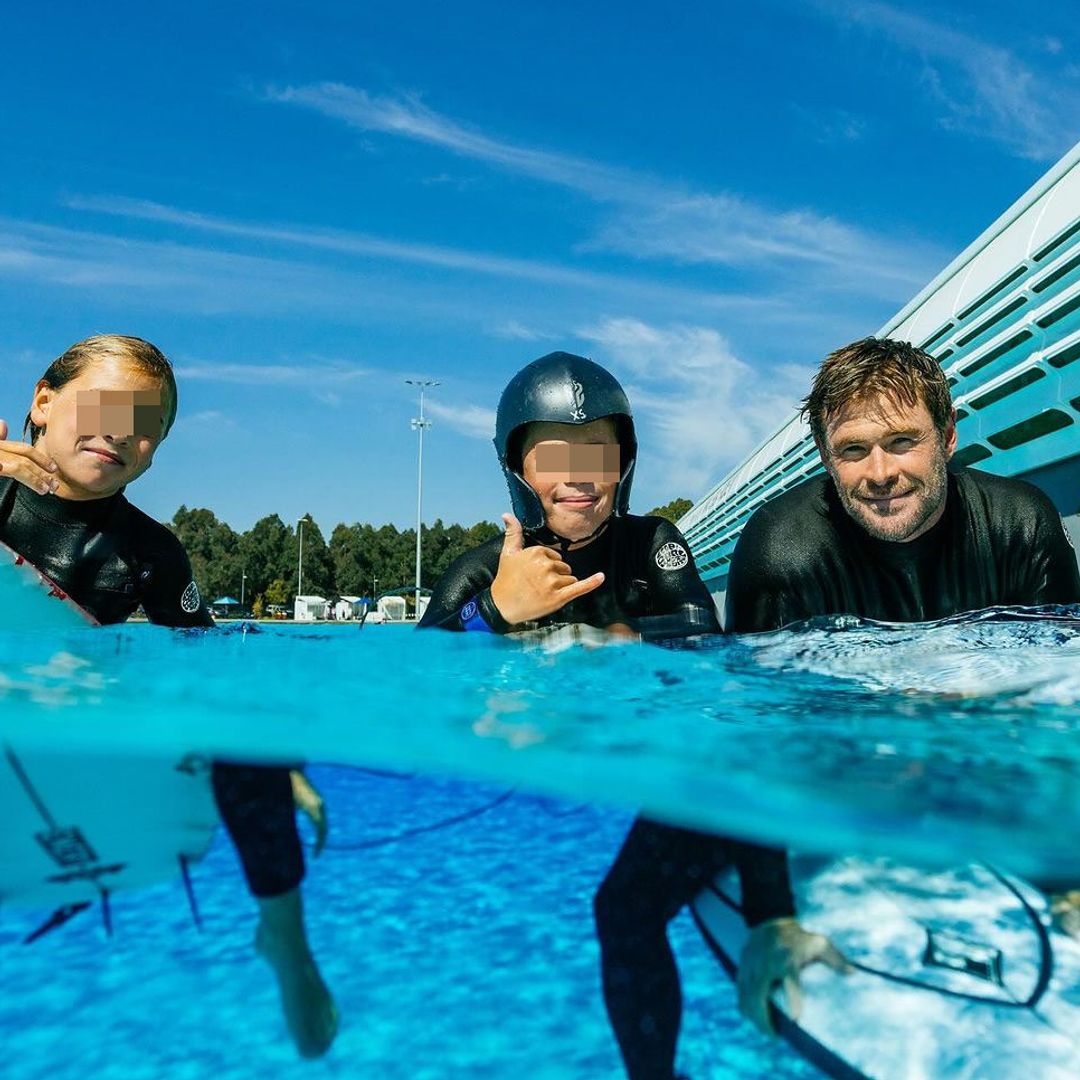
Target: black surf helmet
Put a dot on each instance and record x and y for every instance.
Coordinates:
(560, 388)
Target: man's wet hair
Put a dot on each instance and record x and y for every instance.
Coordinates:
(871, 369)
(134, 351)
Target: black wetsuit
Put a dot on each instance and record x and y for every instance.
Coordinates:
(111, 558)
(650, 583)
(999, 542)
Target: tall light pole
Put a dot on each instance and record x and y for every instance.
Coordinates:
(419, 425)
(243, 582)
(300, 562)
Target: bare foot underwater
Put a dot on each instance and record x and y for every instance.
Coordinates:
(309, 1010)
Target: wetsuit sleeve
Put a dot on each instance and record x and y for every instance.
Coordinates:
(462, 598)
(1053, 577)
(170, 596)
(679, 603)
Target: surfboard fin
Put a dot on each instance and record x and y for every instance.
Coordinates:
(189, 890)
(57, 919)
(106, 912)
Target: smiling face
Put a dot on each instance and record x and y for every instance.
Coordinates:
(574, 469)
(101, 428)
(888, 461)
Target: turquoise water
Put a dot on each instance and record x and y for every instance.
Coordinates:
(468, 949)
(464, 951)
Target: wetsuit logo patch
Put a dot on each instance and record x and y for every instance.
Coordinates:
(672, 556)
(468, 611)
(577, 408)
(190, 599)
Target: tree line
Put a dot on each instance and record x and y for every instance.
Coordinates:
(359, 560)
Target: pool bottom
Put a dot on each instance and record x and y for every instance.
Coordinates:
(459, 951)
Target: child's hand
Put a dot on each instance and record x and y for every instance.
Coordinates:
(27, 464)
(532, 582)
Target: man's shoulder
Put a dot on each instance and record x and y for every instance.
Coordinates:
(1006, 498)
(799, 519)
(999, 487)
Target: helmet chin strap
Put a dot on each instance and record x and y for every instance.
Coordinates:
(549, 538)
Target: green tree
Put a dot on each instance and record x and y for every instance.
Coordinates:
(672, 510)
(279, 592)
(266, 554)
(358, 559)
(213, 548)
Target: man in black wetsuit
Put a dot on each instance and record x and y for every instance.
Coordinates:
(62, 507)
(888, 533)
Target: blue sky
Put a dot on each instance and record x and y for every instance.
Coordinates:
(305, 205)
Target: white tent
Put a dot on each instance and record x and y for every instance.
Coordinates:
(348, 607)
(391, 608)
(309, 608)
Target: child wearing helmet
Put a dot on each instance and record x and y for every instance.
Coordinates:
(572, 552)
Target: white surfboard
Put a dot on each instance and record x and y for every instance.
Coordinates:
(957, 973)
(76, 827)
(30, 601)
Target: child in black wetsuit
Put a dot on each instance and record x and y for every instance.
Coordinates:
(97, 417)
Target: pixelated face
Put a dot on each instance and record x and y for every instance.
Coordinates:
(101, 428)
(889, 464)
(118, 413)
(574, 469)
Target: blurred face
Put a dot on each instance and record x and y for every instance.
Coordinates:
(888, 462)
(101, 428)
(574, 469)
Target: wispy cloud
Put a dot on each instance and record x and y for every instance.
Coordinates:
(646, 217)
(517, 331)
(408, 117)
(726, 229)
(362, 245)
(172, 275)
(830, 127)
(471, 420)
(984, 89)
(305, 374)
(347, 243)
(702, 408)
(212, 418)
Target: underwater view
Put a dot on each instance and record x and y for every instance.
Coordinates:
(476, 792)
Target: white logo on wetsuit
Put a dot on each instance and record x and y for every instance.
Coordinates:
(577, 412)
(190, 599)
(468, 611)
(672, 556)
